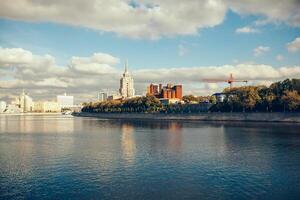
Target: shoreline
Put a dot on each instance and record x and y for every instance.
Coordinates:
(27, 114)
(221, 117)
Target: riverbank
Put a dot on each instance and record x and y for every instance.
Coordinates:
(21, 114)
(246, 117)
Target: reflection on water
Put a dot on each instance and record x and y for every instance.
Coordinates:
(128, 142)
(61, 157)
(34, 124)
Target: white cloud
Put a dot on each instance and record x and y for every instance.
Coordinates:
(149, 19)
(52, 82)
(192, 78)
(272, 11)
(197, 74)
(146, 19)
(14, 56)
(46, 81)
(279, 57)
(260, 50)
(247, 29)
(294, 46)
(23, 69)
(98, 63)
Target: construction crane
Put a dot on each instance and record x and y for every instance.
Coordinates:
(230, 81)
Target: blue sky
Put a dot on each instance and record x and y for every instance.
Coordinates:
(155, 36)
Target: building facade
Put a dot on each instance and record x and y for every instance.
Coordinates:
(2, 106)
(65, 101)
(126, 84)
(154, 89)
(220, 97)
(167, 92)
(102, 96)
(114, 97)
(46, 106)
(24, 102)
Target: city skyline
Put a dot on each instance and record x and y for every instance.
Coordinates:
(54, 52)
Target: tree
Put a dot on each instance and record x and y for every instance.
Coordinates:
(189, 98)
(213, 99)
(291, 99)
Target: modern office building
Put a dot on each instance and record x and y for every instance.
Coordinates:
(65, 101)
(167, 92)
(102, 96)
(126, 84)
(46, 106)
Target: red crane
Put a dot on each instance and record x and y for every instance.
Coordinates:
(231, 80)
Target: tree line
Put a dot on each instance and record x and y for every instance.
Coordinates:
(146, 104)
(278, 97)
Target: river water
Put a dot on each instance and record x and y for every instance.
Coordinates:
(65, 157)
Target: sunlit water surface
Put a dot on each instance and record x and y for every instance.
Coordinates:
(62, 157)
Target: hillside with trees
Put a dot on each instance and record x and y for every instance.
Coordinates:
(281, 96)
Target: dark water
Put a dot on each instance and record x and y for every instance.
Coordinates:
(59, 157)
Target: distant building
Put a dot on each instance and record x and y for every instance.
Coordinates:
(126, 84)
(114, 97)
(154, 89)
(46, 106)
(102, 96)
(2, 106)
(65, 101)
(13, 108)
(24, 102)
(219, 97)
(167, 92)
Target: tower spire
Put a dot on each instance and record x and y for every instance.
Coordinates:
(126, 66)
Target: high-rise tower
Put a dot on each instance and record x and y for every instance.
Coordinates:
(126, 84)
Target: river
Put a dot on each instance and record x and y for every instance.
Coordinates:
(65, 157)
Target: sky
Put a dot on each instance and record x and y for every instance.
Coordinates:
(80, 47)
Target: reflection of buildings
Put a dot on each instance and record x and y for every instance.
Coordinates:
(175, 136)
(126, 84)
(128, 142)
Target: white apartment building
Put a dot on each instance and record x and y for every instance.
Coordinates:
(46, 106)
(102, 96)
(126, 84)
(2, 106)
(65, 101)
(24, 102)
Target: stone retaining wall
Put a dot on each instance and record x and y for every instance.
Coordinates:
(251, 117)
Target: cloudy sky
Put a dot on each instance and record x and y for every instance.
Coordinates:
(49, 47)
